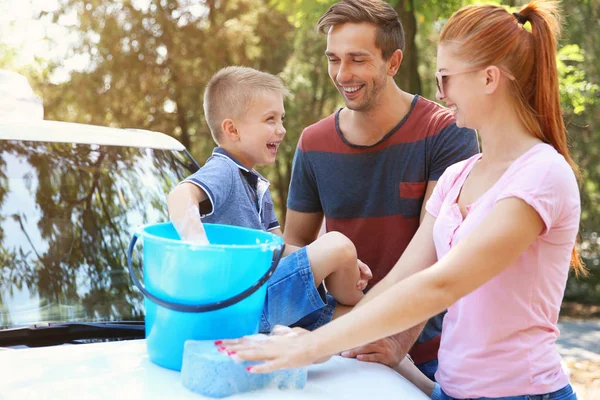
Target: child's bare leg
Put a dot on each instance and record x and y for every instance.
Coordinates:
(410, 371)
(340, 310)
(333, 259)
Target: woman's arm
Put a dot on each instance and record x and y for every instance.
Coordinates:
(502, 237)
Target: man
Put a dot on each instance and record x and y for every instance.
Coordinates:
(370, 167)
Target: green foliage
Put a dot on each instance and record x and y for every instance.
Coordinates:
(8, 56)
(303, 13)
(148, 67)
(577, 94)
(580, 77)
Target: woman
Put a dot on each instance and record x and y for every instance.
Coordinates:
(502, 224)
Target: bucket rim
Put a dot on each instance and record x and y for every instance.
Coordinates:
(277, 240)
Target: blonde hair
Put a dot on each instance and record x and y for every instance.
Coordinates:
(230, 92)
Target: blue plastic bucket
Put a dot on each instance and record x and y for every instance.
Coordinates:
(202, 292)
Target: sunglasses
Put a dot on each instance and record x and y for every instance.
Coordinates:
(439, 77)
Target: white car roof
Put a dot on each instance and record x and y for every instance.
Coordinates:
(122, 370)
(67, 132)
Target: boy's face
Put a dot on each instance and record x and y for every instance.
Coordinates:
(356, 65)
(261, 130)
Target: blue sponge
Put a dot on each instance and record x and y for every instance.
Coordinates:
(210, 373)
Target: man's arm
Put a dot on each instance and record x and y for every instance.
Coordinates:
(304, 209)
(389, 351)
(428, 192)
(301, 229)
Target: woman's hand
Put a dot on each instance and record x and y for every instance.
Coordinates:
(286, 348)
(282, 330)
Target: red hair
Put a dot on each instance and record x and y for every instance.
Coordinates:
(490, 35)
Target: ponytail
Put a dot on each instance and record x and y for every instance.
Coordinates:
(490, 35)
(545, 28)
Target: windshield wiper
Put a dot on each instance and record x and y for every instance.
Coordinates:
(55, 333)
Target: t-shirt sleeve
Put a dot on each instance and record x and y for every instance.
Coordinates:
(269, 212)
(303, 194)
(216, 179)
(434, 204)
(550, 188)
(451, 145)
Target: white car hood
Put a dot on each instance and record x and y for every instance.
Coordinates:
(122, 370)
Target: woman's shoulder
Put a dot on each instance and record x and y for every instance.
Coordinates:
(452, 175)
(460, 168)
(545, 165)
(543, 176)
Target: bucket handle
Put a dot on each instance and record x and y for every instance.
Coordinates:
(198, 308)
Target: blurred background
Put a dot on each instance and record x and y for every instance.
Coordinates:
(144, 64)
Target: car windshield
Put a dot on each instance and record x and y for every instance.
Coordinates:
(67, 212)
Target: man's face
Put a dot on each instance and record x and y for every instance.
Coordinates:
(356, 65)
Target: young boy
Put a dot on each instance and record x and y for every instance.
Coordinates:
(244, 110)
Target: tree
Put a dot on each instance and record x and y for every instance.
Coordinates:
(580, 82)
(149, 64)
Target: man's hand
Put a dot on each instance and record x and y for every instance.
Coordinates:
(365, 275)
(387, 351)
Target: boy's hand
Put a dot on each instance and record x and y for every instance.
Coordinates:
(184, 212)
(192, 232)
(365, 275)
(200, 240)
(189, 227)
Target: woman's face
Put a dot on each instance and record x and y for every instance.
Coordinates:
(459, 86)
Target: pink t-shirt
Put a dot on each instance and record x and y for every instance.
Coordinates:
(499, 340)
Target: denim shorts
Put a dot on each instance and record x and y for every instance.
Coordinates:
(292, 298)
(565, 393)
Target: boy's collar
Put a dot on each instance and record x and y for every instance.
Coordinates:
(219, 151)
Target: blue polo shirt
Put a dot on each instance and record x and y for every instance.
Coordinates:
(236, 195)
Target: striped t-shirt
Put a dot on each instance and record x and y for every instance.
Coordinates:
(373, 194)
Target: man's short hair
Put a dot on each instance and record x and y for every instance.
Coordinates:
(230, 92)
(390, 34)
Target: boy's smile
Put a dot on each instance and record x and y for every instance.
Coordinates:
(273, 147)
